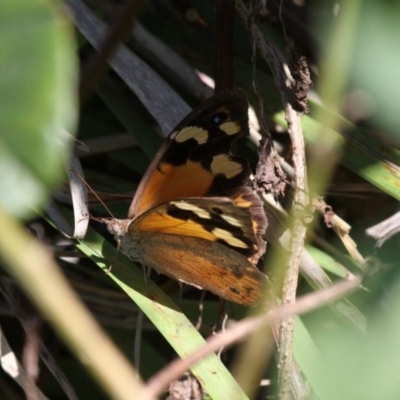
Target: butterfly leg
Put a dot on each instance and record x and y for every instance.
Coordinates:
(201, 309)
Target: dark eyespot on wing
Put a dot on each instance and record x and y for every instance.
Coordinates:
(219, 117)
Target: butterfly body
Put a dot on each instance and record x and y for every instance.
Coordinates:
(193, 218)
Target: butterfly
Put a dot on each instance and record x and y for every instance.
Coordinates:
(193, 216)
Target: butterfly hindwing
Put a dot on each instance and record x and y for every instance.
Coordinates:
(248, 200)
(215, 267)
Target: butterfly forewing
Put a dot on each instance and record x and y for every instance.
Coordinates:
(196, 158)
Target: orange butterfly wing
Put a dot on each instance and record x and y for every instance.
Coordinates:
(205, 242)
(195, 159)
(215, 267)
(214, 219)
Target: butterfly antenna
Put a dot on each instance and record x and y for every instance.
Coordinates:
(94, 194)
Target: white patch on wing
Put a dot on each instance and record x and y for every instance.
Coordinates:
(190, 132)
(222, 164)
(228, 238)
(200, 212)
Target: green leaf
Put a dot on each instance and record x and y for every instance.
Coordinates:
(366, 156)
(37, 101)
(375, 65)
(306, 352)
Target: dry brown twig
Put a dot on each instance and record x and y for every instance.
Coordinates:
(341, 228)
(285, 83)
(385, 229)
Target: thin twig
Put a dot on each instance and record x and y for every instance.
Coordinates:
(385, 229)
(284, 82)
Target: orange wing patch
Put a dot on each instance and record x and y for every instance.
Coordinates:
(160, 221)
(187, 180)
